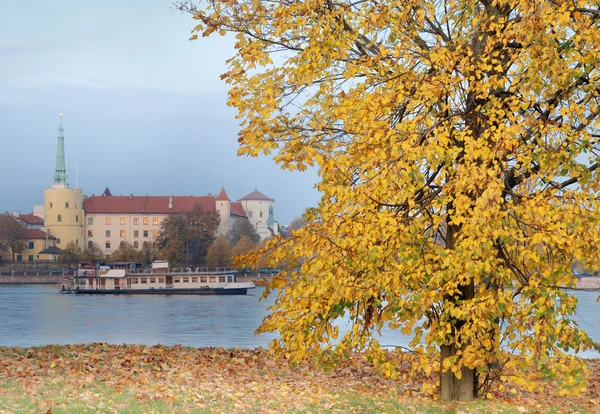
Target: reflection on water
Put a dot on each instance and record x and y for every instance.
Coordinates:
(33, 315)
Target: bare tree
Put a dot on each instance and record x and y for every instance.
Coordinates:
(12, 234)
(92, 254)
(70, 255)
(240, 228)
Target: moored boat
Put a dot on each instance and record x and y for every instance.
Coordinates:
(128, 278)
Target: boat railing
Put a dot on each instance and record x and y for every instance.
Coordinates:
(185, 271)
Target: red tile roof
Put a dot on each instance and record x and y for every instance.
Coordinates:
(147, 204)
(256, 195)
(30, 219)
(223, 195)
(236, 209)
(37, 234)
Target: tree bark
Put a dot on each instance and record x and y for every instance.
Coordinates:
(452, 388)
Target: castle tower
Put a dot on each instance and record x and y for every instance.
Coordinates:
(223, 206)
(63, 206)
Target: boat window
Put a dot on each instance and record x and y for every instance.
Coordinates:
(194, 279)
(230, 279)
(143, 280)
(221, 279)
(212, 279)
(134, 280)
(186, 280)
(152, 280)
(203, 279)
(91, 281)
(176, 280)
(161, 280)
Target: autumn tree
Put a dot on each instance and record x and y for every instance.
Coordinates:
(187, 236)
(240, 228)
(243, 246)
(219, 254)
(126, 253)
(92, 254)
(70, 255)
(12, 234)
(457, 146)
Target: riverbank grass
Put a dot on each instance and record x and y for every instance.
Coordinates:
(102, 378)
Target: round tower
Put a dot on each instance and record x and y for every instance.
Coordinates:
(63, 206)
(223, 207)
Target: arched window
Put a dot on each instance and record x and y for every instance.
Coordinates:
(136, 244)
(90, 244)
(67, 204)
(77, 219)
(50, 205)
(59, 218)
(260, 214)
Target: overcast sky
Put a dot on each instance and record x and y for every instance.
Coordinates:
(144, 108)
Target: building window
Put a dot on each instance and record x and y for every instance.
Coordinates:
(50, 205)
(136, 244)
(107, 233)
(77, 242)
(145, 233)
(122, 233)
(67, 204)
(136, 233)
(155, 221)
(107, 244)
(59, 218)
(30, 258)
(90, 221)
(260, 214)
(145, 221)
(107, 220)
(31, 245)
(19, 258)
(122, 220)
(146, 245)
(90, 233)
(90, 244)
(57, 241)
(77, 219)
(155, 234)
(136, 221)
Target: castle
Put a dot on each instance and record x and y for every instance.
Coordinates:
(69, 216)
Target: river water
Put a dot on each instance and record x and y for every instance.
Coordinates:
(34, 315)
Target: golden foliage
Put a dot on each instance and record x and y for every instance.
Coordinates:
(457, 145)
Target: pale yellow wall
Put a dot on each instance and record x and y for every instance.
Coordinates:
(99, 228)
(71, 227)
(224, 210)
(38, 246)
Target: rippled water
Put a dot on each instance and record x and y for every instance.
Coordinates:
(33, 315)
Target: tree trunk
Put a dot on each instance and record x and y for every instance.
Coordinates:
(452, 388)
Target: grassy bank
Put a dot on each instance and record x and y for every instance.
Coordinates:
(135, 379)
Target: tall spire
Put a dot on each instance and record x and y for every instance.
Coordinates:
(60, 173)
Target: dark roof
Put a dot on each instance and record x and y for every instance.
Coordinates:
(222, 195)
(106, 193)
(37, 234)
(147, 204)
(51, 250)
(256, 195)
(236, 209)
(30, 219)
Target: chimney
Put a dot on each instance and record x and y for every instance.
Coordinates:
(131, 196)
(170, 203)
